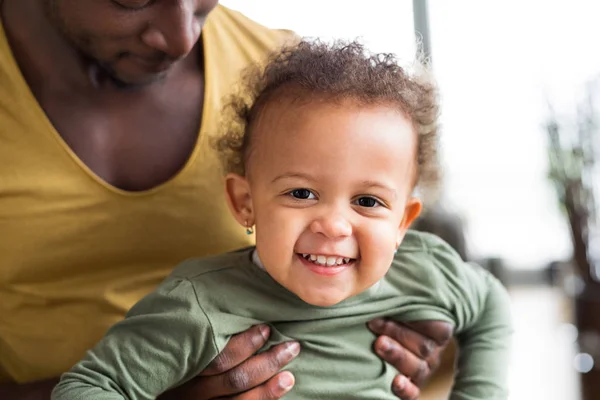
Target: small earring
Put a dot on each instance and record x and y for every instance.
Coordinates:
(249, 229)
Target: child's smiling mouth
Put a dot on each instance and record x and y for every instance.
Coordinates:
(326, 261)
(325, 265)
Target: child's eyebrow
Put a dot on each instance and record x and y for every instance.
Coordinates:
(292, 175)
(379, 185)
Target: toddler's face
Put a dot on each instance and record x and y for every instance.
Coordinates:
(329, 189)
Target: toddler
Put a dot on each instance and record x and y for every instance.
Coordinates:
(323, 158)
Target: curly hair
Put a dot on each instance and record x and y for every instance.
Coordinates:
(336, 71)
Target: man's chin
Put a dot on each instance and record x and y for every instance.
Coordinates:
(128, 80)
(132, 82)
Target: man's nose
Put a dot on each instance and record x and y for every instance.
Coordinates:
(332, 225)
(174, 31)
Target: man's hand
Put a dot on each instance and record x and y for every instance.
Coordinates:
(413, 348)
(238, 374)
(235, 373)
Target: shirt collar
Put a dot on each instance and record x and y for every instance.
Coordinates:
(256, 260)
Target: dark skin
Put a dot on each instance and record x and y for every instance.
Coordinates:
(113, 76)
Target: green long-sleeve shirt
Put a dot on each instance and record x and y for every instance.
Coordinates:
(174, 333)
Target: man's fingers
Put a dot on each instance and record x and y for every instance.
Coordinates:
(420, 345)
(274, 388)
(409, 364)
(404, 389)
(251, 373)
(239, 348)
(439, 331)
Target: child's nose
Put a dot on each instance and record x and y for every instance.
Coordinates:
(332, 226)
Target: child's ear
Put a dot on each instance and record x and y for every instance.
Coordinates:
(411, 211)
(239, 200)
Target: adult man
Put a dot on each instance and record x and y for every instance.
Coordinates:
(107, 181)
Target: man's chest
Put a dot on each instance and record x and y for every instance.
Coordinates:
(133, 141)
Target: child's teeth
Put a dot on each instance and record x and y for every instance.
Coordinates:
(325, 260)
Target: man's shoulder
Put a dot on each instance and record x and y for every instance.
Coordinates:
(232, 44)
(233, 30)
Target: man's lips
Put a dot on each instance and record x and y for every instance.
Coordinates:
(152, 64)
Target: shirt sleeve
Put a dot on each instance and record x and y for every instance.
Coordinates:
(480, 307)
(484, 348)
(165, 340)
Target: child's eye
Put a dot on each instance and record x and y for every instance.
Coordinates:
(367, 202)
(302, 194)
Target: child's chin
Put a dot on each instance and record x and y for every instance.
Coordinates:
(323, 301)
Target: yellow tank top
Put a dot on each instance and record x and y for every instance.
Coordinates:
(77, 253)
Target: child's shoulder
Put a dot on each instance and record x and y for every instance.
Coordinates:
(428, 258)
(194, 268)
(415, 241)
(428, 268)
(426, 247)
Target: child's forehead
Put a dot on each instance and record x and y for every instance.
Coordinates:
(328, 138)
(318, 108)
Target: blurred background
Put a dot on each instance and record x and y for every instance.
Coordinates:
(520, 89)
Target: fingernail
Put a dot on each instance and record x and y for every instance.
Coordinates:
(376, 324)
(385, 344)
(400, 383)
(293, 348)
(286, 380)
(264, 331)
